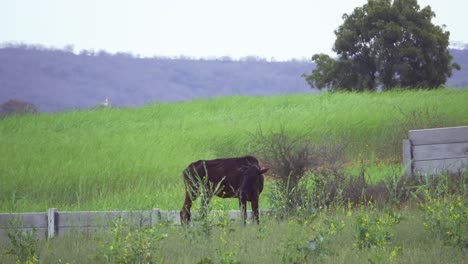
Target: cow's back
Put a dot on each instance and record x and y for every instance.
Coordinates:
(227, 170)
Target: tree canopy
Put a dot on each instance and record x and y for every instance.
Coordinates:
(386, 44)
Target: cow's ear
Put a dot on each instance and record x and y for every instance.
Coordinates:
(264, 170)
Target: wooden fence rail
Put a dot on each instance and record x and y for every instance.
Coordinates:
(431, 151)
(55, 223)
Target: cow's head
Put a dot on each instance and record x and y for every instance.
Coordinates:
(252, 171)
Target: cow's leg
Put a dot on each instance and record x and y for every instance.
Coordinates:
(254, 204)
(243, 207)
(185, 215)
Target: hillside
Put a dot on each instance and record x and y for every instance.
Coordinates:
(459, 78)
(133, 158)
(58, 80)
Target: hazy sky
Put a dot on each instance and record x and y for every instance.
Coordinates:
(198, 28)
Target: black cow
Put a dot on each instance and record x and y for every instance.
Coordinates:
(231, 177)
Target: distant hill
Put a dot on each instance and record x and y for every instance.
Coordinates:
(459, 78)
(57, 80)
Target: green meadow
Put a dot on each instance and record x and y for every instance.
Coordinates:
(132, 158)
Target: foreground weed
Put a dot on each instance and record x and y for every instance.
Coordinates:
(23, 243)
(381, 255)
(296, 251)
(205, 260)
(132, 244)
(216, 229)
(325, 233)
(227, 250)
(446, 217)
(375, 230)
(375, 236)
(297, 247)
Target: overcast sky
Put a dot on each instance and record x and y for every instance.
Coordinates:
(282, 29)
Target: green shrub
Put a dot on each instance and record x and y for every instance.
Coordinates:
(23, 243)
(295, 249)
(325, 234)
(294, 163)
(129, 244)
(427, 116)
(17, 107)
(446, 217)
(374, 230)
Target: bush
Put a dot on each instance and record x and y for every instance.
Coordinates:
(442, 201)
(292, 159)
(422, 118)
(24, 244)
(130, 244)
(325, 234)
(308, 176)
(17, 107)
(446, 218)
(375, 230)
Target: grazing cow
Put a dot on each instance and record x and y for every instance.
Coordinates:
(227, 178)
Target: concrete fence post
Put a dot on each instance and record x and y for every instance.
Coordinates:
(51, 223)
(407, 157)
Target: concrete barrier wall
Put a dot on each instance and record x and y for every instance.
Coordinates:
(56, 223)
(432, 151)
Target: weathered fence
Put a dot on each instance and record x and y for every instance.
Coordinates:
(432, 151)
(55, 223)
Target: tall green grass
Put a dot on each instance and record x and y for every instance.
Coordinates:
(121, 158)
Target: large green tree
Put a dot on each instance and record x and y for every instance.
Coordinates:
(386, 44)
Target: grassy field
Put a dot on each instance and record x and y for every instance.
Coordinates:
(110, 159)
